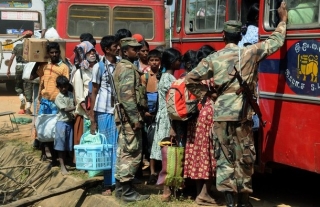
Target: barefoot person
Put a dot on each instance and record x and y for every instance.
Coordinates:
(63, 141)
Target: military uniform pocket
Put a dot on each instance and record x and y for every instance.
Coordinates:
(131, 139)
(249, 152)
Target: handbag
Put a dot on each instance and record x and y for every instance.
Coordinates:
(27, 73)
(46, 127)
(172, 164)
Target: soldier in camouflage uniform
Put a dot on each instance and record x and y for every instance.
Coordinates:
(233, 127)
(23, 88)
(128, 121)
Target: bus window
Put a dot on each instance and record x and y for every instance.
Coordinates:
(233, 13)
(301, 14)
(178, 16)
(205, 15)
(136, 19)
(15, 22)
(88, 19)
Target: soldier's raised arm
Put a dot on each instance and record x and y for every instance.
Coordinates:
(276, 39)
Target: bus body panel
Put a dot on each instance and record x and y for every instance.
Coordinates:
(36, 6)
(157, 7)
(289, 88)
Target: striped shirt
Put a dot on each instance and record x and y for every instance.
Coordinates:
(103, 100)
(48, 76)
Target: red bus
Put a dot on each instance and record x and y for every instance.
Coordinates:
(289, 83)
(105, 17)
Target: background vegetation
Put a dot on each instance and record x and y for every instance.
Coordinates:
(51, 12)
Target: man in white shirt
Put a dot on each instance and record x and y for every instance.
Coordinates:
(102, 114)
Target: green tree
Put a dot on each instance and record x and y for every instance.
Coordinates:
(51, 12)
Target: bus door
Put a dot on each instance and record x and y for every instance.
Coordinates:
(200, 22)
(289, 87)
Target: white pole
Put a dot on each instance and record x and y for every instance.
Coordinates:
(170, 26)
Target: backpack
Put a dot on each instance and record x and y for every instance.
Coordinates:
(181, 104)
(152, 98)
(141, 94)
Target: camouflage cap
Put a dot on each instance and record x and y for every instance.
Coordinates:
(129, 41)
(232, 26)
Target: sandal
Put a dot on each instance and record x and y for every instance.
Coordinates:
(153, 179)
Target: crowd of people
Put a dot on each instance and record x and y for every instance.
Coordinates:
(122, 93)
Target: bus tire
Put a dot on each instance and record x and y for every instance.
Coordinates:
(10, 86)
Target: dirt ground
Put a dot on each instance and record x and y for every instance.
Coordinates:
(10, 102)
(270, 190)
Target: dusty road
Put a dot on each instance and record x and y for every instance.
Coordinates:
(284, 187)
(10, 102)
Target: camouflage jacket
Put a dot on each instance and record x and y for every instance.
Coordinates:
(18, 51)
(126, 81)
(220, 66)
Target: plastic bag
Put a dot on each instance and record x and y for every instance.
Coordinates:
(46, 127)
(27, 72)
(88, 138)
(52, 33)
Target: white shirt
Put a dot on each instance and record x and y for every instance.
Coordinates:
(103, 99)
(81, 88)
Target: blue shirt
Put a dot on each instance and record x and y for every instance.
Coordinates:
(251, 36)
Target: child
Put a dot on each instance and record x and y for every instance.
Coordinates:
(142, 62)
(64, 128)
(150, 81)
(171, 60)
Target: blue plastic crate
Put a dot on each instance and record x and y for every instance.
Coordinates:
(93, 157)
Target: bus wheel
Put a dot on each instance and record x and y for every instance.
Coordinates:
(10, 86)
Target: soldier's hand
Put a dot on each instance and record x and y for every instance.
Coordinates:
(8, 73)
(209, 83)
(282, 11)
(137, 126)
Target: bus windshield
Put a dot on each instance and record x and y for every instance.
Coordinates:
(16, 22)
(16, 4)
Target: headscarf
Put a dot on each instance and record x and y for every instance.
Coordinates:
(80, 54)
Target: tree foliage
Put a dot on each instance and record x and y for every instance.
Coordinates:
(51, 12)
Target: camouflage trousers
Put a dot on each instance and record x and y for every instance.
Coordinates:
(21, 86)
(235, 154)
(129, 152)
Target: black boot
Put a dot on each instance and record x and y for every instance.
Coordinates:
(243, 200)
(229, 199)
(118, 189)
(129, 194)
